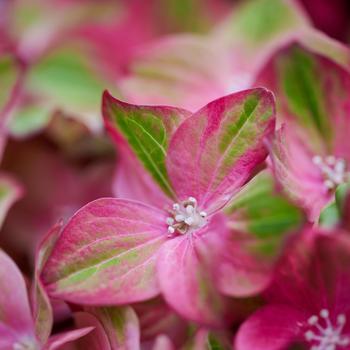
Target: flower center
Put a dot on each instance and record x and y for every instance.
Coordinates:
(324, 335)
(333, 169)
(185, 217)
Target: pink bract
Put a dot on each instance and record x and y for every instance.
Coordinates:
(308, 303)
(311, 150)
(19, 328)
(117, 251)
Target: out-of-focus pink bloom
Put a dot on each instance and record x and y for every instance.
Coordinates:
(117, 251)
(20, 327)
(59, 171)
(190, 70)
(115, 44)
(311, 151)
(308, 303)
(72, 50)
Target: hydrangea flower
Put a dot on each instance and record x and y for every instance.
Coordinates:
(311, 151)
(119, 251)
(24, 326)
(308, 303)
(188, 70)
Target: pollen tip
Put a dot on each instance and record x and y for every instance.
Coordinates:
(179, 218)
(309, 335)
(189, 220)
(316, 160)
(169, 221)
(341, 319)
(312, 320)
(324, 313)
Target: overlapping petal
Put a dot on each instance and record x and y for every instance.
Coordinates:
(293, 167)
(215, 151)
(116, 328)
(106, 254)
(41, 306)
(15, 314)
(312, 91)
(147, 130)
(185, 275)
(271, 327)
(260, 220)
(311, 279)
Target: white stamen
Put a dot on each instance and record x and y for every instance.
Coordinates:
(309, 335)
(192, 199)
(185, 217)
(324, 313)
(317, 160)
(313, 320)
(329, 184)
(325, 335)
(340, 166)
(170, 221)
(334, 170)
(180, 218)
(341, 319)
(189, 209)
(189, 221)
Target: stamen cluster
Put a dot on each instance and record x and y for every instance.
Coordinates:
(333, 170)
(325, 335)
(185, 216)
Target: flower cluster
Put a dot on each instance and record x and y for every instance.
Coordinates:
(205, 206)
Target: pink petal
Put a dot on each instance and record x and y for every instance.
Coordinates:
(156, 317)
(261, 220)
(184, 275)
(162, 342)
(42, 309)
(97, 339)
(120, 325)
(147, 129)
(188, 72)
(271, 327)
(313, 274)
(239, 272)
(14, 305)
(293, 167)
(106, 254)
(58, 340)
(217, 149)
(312, 87)
(8, 337)
(133, 182)
(200, 340)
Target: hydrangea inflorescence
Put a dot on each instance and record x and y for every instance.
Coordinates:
(206, 206)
